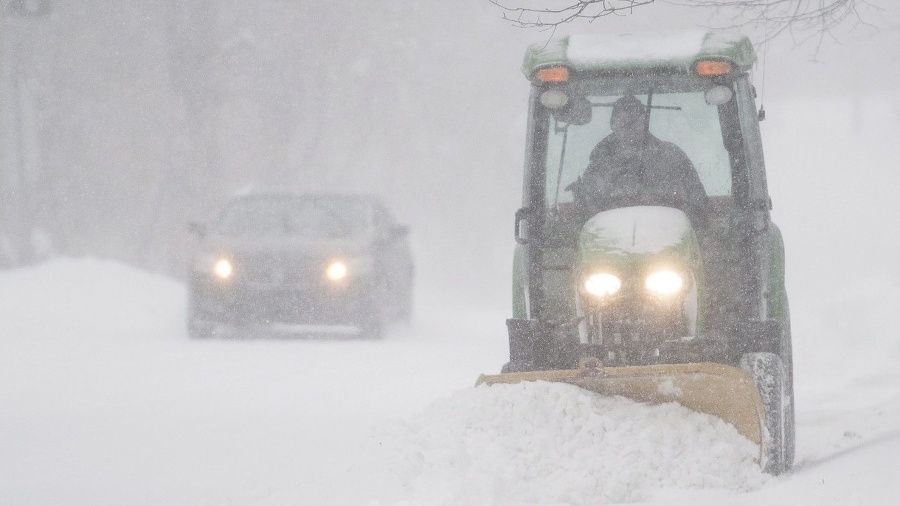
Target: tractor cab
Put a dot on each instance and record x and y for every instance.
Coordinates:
(644, 238)
(685, 201)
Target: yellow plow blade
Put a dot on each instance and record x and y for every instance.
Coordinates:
(716, 389)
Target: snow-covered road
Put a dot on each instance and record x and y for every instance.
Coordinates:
(104, 400)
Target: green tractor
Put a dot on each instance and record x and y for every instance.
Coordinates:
(647, 264)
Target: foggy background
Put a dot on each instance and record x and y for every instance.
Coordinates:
(120, 121)
(124, 120)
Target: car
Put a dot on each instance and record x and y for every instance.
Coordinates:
(302, 260)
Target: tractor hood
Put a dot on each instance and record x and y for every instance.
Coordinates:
(635, 237)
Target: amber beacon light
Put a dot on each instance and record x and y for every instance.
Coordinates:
(712, 67)
(553, 75)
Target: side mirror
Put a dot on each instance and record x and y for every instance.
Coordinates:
(198, 228)
(577, 111)
(386, 237)
(398, 232)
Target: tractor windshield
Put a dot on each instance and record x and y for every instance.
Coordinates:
(679, 113)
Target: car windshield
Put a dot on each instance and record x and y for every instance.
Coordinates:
(289, 216)
(679, 114)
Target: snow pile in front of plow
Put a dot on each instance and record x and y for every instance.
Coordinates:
(552, 443)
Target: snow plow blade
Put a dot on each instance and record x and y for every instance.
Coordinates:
(716, 389)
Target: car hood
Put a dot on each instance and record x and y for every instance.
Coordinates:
(288, 246)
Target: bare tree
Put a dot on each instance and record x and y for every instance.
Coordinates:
(814, 18)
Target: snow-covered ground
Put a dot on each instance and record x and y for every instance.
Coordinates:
(104, 399)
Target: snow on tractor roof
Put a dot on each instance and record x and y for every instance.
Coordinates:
(624, 51)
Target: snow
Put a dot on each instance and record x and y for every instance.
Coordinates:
(624, 47)
(106, 401)
(546, 443)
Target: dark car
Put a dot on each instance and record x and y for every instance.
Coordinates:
(296, 259)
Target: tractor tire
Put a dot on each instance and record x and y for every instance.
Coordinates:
(769, 374)
(787, 359)
(789, 427)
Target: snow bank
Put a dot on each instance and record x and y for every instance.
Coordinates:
(66, 295)
(546, 443)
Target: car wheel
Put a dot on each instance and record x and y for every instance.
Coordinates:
(197, 326)
(371, 324)
(404, 315)
(199, 330)
(371, 321)
(372, 330)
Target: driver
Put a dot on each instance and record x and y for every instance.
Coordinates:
(632, 167)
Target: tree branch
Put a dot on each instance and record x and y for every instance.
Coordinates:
(548, 17)
(807, 18)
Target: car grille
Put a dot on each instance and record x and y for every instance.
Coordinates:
(277, 270)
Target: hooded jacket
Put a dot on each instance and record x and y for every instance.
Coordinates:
(651, 172)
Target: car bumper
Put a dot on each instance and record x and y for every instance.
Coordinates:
(248, 304)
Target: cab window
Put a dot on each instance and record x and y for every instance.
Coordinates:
(679, 114)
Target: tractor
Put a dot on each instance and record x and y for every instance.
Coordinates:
(629, 281)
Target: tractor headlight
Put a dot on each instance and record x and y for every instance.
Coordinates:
(664, 282)
(554, 99)
(602, 284)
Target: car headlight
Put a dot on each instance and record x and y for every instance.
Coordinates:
(602, 284)
(341, 269)
(216, 265)
(223, 269)
(336, 270)
(664, 282)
